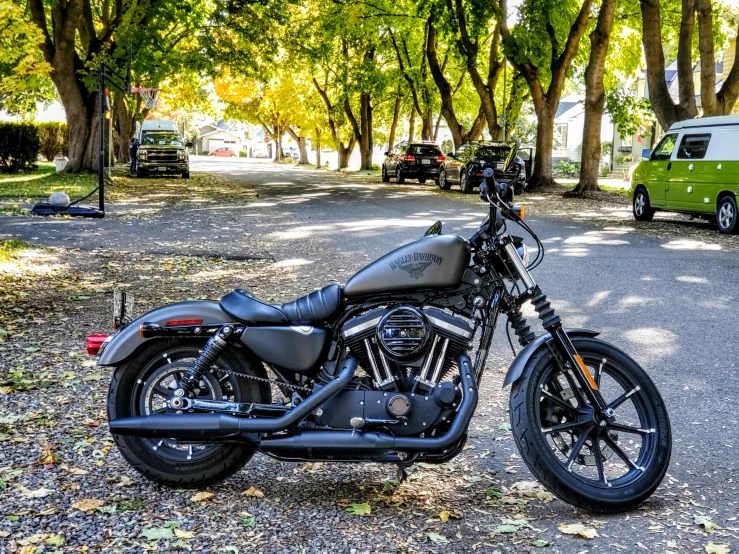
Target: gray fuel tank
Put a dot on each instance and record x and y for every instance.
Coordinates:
(433, 262)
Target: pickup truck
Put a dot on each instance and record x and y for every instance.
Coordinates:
(163, 152)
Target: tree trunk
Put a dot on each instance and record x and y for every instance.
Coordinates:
(412, 124)
(302, 145)
(318, 148)
(542, 172)
(714, 102)
(394, 124)
(125, 129)
(344, 153)
(436, 127)
(595, 98)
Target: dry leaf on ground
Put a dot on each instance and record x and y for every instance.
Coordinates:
(201, 496)
(87, 504)
(253, 491)
(578, 529)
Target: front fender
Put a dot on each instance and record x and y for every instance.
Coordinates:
(516, 370)
(128, 340)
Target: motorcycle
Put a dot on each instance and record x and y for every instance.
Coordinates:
(379, 370)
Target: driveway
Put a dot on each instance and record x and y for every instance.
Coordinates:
(668, 302)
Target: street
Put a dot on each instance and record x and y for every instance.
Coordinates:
(666, 301)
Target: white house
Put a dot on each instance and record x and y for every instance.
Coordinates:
(217, 135)
(569, 123)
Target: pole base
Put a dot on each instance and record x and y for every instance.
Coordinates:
(44, 208)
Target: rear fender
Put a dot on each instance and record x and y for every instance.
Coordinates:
(128, 340)
(516, 370)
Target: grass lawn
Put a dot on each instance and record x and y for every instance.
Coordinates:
(9, 249)
(43, 182)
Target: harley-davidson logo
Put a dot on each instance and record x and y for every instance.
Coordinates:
(415, 264)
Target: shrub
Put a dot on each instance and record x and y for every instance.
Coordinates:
(566, 168)
(604, 170)
(447, 146)
(243, 154)
(19, 147)
(54, 139)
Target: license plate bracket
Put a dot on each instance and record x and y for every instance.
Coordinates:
(426, 162)
(122, 308)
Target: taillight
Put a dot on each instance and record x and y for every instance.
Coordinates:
(176, 322)
(440, 158)
(409, 158)
(94, 342)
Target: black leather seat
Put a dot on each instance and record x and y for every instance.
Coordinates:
(318, 307)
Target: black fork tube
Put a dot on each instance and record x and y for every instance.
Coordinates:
(488, 332)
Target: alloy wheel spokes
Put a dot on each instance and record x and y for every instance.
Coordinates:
(598, 454)
(620, 453)
(577, 448)
(559, 402)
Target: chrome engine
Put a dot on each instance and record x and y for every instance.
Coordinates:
(407, 349)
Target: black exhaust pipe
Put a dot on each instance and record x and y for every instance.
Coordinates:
(217, 427)
(317, 444)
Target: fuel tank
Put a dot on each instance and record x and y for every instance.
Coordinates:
(434, 262)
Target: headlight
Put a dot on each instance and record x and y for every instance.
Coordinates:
(181, 155)
(142, 155)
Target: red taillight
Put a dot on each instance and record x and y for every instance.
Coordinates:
(409, 158)
(440, 158)
(94, 342)
(176, 322)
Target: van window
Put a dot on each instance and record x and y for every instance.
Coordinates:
(693, 147)
(664, 148)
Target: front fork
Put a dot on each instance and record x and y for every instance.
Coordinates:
(563, 349)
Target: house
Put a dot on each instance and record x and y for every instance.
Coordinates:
(218, 134)
(569, 122)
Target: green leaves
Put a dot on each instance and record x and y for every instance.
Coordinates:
(363, 509)
(157, 533)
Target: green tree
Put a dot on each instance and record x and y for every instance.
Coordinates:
(542, 47)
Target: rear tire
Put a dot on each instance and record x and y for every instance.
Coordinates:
(422, 181)
(642, 209)
(399, 178)
(132, 390)
(533, 416)
(727, 216)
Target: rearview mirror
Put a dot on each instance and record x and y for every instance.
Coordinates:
(646, 153)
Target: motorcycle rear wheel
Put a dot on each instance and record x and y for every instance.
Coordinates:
(139, 387)
(601, 468)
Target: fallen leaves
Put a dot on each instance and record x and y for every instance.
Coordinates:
(47, 455)
(37, 493)
(202, 496)
(87, 504)
(157, 533)
(253, 492)
(436, 537)
(363, 509)
(713, 548)
(444, 516)
(578, 529)
(706, 522)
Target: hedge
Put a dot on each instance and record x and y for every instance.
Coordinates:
(54, 139)
(19, 147)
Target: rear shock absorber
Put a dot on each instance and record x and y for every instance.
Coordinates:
(208, 355)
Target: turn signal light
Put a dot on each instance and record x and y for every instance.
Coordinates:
(522, 212)
(94, 342)
(584, 369)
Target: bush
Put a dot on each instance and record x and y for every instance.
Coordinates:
(604, 170)
(243, 154)
(54, 138)
(19, 147)
(447, 146)
(566, 168)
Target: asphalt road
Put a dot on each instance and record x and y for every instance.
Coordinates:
(667, 302)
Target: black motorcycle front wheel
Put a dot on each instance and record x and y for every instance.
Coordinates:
(142, 385)
(600, 465)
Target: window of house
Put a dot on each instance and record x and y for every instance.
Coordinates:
(693, 147)
(664, 148)
(560, 135)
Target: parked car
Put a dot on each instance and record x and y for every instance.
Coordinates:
(224, 151)
(291, 152)
(162, 152)
(260, 150)
(465, 166)
(412, 160)
(694, 169)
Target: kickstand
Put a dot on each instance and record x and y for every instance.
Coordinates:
(404, 471)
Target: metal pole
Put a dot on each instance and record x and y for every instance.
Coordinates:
(505, 84)
(110, 143)
(101, 130)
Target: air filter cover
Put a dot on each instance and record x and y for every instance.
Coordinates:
(404, 334)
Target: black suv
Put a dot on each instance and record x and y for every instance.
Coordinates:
(467, 164)
(412, 160)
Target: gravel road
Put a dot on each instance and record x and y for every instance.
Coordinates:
(666, 300)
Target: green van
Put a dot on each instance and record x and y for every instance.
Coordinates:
(694, 169)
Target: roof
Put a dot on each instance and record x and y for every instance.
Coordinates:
(219, 130)
(565, 106)
(717, 121)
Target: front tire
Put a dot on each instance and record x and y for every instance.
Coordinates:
(464, 183)
(727, 216)
(385, 176)
(601, 467)
(642, 209)
(138, 387)
(442, 182)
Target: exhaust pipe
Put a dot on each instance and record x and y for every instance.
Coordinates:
(216, 427)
